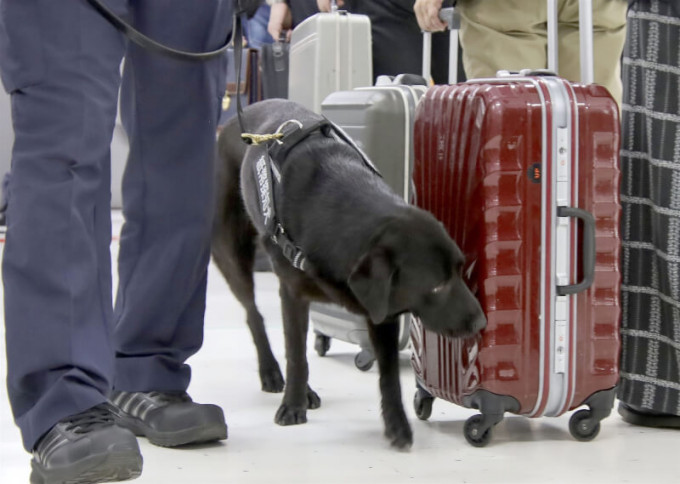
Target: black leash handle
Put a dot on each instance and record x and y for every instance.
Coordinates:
(148, 43)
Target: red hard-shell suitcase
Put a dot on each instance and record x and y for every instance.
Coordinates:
(523, 172)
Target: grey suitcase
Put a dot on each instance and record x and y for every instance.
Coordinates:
(380, 120)
(329, 52)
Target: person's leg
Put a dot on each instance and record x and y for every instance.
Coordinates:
(169, 109)
(609, 35)
(502, 35)
(397, 39)
(649, 389)
(60, 62)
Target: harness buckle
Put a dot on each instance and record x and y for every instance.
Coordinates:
(288, 248)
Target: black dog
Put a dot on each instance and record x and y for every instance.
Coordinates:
(365, 249)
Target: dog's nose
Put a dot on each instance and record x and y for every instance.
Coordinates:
(478, 324)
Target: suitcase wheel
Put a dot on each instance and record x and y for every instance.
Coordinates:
(322, 344)
(364, 360)
(477, 431)
(422, 404)
(583, 427)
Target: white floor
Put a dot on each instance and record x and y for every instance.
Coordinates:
(343, 443)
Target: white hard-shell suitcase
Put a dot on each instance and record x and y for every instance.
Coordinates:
(329, 52)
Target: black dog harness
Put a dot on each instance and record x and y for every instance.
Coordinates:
(275, 149)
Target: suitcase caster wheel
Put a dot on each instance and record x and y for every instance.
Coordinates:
(475, 433)
(581, 426)
(422, 403)
(322, 344)
(364, 360)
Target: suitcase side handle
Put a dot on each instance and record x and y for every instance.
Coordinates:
(588, 245)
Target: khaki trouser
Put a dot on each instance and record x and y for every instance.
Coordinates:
(511, 35)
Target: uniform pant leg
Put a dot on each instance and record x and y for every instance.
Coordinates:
(60, 62)
(170, 109)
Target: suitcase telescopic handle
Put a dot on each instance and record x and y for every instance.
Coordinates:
(585, 10)
(449, 16)
(588, 246)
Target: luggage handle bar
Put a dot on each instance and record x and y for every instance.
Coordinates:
(452, 20)
(588, 259)
(449, 16)
(585, 27)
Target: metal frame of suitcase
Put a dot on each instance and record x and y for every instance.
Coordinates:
(329, 52)
(523, 150)
(371, 116)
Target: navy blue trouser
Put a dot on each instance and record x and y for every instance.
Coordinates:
(67, 345)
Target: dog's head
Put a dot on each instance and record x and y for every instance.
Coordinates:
(412, 265)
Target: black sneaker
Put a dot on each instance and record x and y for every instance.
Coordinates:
(86, 448)
(169, 419)
(648, 418)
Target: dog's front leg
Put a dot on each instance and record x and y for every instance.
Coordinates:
(385, 339)
(297, 396)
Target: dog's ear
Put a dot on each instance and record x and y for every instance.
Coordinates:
(371, 282)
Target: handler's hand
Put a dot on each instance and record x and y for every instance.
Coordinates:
(280, 20)
(427, 13)
(325, 5)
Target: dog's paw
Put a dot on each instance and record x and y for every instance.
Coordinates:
(399, 435)
(313, 399)
(272, 380)
(290, 415)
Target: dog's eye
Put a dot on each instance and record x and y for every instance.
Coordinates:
(439, 288)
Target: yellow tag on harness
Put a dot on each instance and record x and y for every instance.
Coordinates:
(256, 139)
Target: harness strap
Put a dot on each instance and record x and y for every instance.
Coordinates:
(290, 251)
(278, 146)
(293, 136)
(292, 133)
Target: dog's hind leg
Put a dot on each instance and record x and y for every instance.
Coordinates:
(298, 395)
(385, 339)
(233, 250)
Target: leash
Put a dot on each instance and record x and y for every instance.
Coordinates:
(149, 44)
(276, 146)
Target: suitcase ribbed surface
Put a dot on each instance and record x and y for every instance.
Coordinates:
(478, 152)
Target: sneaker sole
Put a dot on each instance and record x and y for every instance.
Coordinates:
(634, 417)
(110, 467)
(195, 435)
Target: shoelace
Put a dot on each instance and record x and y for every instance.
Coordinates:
(99, 416)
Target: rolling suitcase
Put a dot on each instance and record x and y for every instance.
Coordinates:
(523, 171)
(380, 120)
(329, 52)
(274, 69)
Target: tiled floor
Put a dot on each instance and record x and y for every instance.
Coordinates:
(343, 443)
